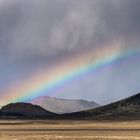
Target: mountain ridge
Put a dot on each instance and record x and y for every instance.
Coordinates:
(62, 106)
(128, 108)
(125, 109)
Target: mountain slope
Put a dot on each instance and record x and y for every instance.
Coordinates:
(128, 108)
(62, 106)
(24, 109)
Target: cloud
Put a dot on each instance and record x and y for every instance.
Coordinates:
(41, 29)
(35, 33)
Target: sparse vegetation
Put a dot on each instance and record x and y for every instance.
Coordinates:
(126, 109)
(69, 130)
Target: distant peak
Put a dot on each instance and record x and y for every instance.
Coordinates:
(61, 106)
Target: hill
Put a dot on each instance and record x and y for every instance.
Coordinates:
(24, 110)
(62, 106)
(128, 108)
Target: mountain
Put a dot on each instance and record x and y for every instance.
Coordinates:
(24, 110)
(128, 108)
(62, 106)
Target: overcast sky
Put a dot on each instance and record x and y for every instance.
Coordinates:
(34, 33)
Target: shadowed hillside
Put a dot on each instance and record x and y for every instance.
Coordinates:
(128, 108)
(24, 109)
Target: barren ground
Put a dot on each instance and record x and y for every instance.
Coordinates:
(68, 130)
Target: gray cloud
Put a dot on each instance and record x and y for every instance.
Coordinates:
(40, 29)
(34, 33)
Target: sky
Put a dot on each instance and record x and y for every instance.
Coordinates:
(39, 36)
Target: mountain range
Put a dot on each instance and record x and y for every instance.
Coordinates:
(126, 109)
(62, 106)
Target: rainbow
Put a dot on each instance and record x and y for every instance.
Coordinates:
(44, 81)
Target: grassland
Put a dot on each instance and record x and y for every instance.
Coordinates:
(68, 130)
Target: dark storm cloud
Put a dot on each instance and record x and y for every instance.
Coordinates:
(8, 21)
(48, 27)
(122, 17)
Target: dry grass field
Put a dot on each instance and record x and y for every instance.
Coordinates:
(68, 130)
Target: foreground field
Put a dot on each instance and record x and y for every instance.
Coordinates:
(69, 130)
